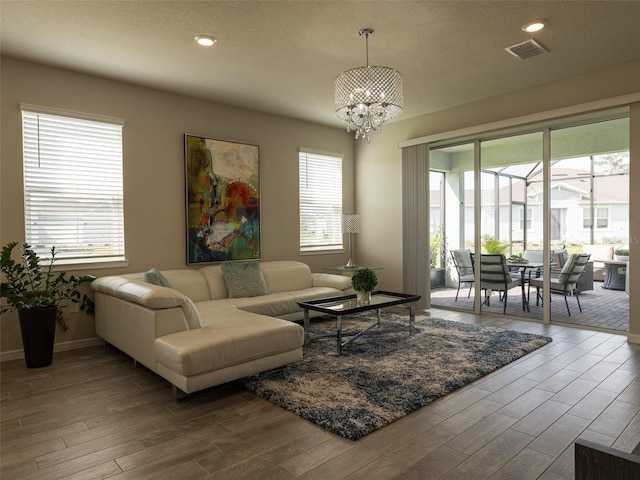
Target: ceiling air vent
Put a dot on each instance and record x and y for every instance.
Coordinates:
(527, 49)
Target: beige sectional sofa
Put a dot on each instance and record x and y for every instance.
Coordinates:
(197, 333)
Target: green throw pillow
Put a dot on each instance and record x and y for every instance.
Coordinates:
(154, 277)
(244, 279)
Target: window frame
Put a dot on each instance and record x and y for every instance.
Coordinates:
(529, 219)
(332, 210)
(56, 136)
(594, 220)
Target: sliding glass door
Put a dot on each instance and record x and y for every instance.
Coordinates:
(538, 218)
(452, 225)
(507, 223)
(589, 185)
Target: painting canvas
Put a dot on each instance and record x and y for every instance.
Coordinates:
(223, 200)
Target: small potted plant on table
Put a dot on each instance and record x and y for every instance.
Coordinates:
(364, 280)
(39, 294)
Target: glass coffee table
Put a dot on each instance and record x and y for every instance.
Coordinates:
(348, 304)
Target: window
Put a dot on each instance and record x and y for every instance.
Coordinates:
(436, 200)
(434, 219)
(529, 219)
(72, 185)
(320, 201)
(586, 218)
(601, 220)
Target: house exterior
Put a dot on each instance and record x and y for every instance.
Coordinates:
(570, 213)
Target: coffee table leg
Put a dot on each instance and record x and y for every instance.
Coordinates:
(412, 318)
(339, 333)
(307, 326)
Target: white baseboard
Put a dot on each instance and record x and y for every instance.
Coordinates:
(58, 347)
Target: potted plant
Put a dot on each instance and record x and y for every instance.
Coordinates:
(622, 253)
(437, 250)
(364, 280)
(38, 293)
(494, 246)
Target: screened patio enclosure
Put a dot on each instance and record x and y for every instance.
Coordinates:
(491, 192)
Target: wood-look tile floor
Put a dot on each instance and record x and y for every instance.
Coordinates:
(93, 415)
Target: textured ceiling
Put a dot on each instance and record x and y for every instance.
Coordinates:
(282, 56)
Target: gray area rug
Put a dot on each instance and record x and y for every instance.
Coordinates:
(382, 377)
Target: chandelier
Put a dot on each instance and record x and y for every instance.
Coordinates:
(366, 97)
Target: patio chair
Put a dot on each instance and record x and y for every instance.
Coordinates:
(565, 282)
(463, 261)
(535, 256)
(559, 257)
(494, 275)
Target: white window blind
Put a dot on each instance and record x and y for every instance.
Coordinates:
(73, 186)
(320, 201)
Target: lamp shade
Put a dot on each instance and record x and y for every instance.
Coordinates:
(351, 223)
(367, 97)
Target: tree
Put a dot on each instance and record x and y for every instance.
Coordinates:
(613, 163)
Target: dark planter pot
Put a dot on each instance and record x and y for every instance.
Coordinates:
(437, 277)
(38, 329)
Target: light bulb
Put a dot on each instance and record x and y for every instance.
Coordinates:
(533, 27)
(205, 40)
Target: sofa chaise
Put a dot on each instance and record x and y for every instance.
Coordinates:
(214, 324)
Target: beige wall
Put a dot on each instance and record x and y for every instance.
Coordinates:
(154, 168)
(378, 164)
(153, 149)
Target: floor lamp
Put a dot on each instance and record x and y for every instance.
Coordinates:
(350, 225)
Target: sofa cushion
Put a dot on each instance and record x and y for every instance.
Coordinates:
(599, 253)
(191, 313)
(272, 305)
(149, 295)
(189, 282)
(330, 280)
(138, 291)
(156, 277)
(215, 282)
(244, 279)
(286, 275)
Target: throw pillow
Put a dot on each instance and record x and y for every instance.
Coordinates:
(155, 277)
(244, 279)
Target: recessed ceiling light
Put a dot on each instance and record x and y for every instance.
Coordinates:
(205, 40)
(533, 27)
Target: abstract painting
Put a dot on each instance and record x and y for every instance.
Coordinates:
(223, 200)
